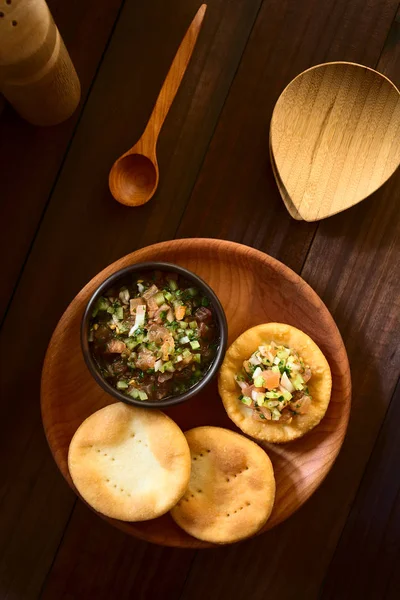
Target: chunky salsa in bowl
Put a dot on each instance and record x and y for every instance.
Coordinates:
(154, 334)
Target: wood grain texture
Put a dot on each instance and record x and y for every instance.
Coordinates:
(39, 152)
(372, 529)
(82, 205)
(134, 176)
(292, 210)
(372, 533)
(69, 394)
(239, 182)
(36, 72)
(334, 137)
(98, 561)
(235, 197)
(263, 221)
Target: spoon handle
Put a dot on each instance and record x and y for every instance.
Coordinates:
(173, 79)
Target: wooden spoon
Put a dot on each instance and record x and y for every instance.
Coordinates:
(134, 176)
(335, 137)
(292, 210)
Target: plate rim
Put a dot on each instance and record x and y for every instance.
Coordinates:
(253, 253)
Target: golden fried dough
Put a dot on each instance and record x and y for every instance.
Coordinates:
(129, 463)
(231, 490)
(320, 384)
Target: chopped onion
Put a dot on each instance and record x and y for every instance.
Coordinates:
(184, 340)
(257, 373)
(254, 360)
(124, 296)
(140, 288)
(139, 320)
(178, 358)
(260, 398)
(241, 384)
(273, 403)
(158, 365)
(286, 383)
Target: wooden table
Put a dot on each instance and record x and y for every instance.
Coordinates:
(60, 227)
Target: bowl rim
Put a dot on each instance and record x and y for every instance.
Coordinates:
(220, 317)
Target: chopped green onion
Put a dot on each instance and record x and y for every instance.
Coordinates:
(159, 298)
(297, 382)
(134, 393)
(195, 345)
(286, 395)
(192, 291)
(193, 325)
(260, 398)
(143, 395)
(205, 301)
(246, 400)
(173, 285)
(168, 366)
(122, 385)
(184, 340)
(276, 415)
(259, 381)
(183, 325)
(197, 358)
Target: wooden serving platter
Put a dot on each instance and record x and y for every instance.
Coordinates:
(253, 288)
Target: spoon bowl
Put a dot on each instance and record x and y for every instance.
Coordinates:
(134, 176)
(334, 137)
(135, 179)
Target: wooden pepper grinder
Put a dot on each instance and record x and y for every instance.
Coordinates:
(36, 73)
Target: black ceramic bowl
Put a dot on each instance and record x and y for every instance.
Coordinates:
(189, 276)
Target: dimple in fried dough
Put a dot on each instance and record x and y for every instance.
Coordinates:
(231, 490)
(319, 385)
(129, 463)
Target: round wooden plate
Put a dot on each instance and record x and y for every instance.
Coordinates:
(253, 288)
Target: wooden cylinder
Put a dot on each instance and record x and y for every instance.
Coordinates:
(36, 73)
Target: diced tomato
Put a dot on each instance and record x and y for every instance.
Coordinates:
(271, 379)
(180, 312)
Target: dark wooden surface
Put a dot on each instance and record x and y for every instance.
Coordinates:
(60, 227)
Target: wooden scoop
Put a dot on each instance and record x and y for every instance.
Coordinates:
(334, 138)
(134, 176)
(292, 210)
